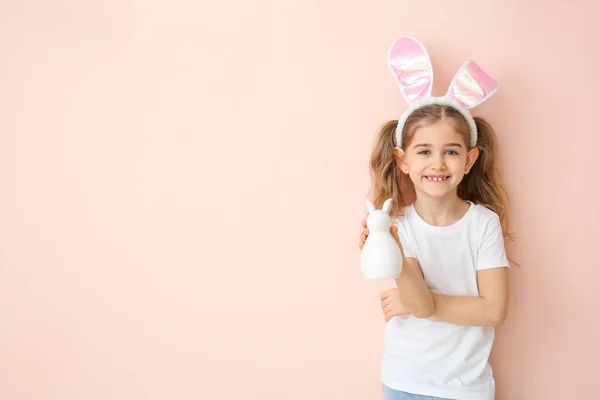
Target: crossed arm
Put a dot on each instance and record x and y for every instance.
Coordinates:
(487, 309)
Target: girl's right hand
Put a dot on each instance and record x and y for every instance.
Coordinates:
(365, 232)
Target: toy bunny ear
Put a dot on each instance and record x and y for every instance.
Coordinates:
(471, 86)
(411, 67)
(370, 206)
(387, 206)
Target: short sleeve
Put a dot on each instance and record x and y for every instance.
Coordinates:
(492, 253)
(405, 239)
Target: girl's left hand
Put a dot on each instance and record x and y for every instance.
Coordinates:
(391, 304)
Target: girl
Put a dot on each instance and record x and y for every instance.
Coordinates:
(453, 289)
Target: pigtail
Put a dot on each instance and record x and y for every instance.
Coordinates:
(387, 180)
(482, 185)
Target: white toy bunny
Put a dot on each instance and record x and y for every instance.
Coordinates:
(380, 257)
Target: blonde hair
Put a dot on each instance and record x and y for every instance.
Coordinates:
(482, 185)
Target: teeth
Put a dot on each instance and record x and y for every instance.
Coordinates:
(436, 179)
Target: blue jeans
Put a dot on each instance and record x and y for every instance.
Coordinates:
(391, 394)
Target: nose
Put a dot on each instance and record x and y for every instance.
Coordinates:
(438, 162)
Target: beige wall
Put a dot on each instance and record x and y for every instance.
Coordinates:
(183, 183)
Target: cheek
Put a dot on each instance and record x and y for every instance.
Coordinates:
(414, 164)
(413, 160)
(459, 163)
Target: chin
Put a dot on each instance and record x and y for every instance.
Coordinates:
(436, 195)
(437, 192)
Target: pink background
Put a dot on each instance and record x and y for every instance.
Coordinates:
(183, 184)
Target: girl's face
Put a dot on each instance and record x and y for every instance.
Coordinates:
(436, 159)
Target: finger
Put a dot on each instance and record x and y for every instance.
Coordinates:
(385, 294)
(394, 231)
(365, 232)
(364, 223)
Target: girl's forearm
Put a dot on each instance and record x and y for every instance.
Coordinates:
(414, 293)
(467, 310)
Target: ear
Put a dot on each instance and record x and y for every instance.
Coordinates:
(387, 206)
(472, 156)
(370, 206)
(471, 86)
(400, 157)
(410, 65)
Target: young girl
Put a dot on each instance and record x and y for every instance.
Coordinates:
(453, 289)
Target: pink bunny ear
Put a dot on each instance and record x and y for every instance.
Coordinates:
(411, 67)
(471, 86)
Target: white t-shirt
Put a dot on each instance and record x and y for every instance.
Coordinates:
(431, 357)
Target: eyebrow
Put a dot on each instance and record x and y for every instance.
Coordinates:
(429, 145)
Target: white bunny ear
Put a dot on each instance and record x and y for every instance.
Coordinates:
(471, 85)
(410, 65)
(387, 206)
(370, 206)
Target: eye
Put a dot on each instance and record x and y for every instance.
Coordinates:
(424, 152)
(452, 152)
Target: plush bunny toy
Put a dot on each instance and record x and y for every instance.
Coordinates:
(380, 257)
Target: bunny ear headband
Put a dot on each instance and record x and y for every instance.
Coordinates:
(411, 67)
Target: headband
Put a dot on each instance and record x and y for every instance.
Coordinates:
(411, 67)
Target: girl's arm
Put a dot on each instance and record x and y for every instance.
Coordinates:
(413, 291)
(487, 309)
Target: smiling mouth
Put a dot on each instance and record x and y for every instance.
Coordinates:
(438, 178)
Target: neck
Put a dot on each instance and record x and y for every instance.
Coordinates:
(441, 211)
